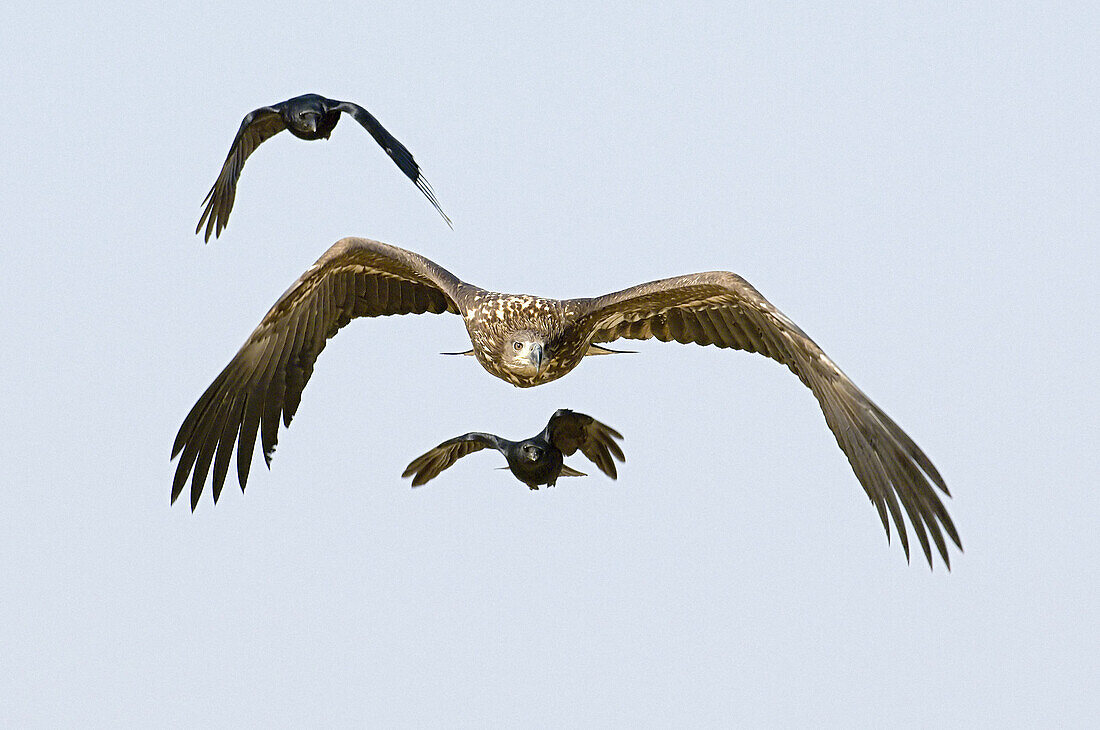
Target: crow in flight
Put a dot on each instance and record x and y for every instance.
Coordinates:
(534, 461)
(307, 117)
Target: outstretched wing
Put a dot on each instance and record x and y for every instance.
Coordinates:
(397, 151)
(569, 431)
(428, 466)
(257, 126)
(264, 380)
(722, 309)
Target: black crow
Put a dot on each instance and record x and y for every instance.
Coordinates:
(534, 461)
(309, 117)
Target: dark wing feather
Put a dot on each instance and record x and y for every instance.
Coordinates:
(722, 309)
(569, 431)
(428, 466)
(263, 383)
(257, 126)
(397, 151)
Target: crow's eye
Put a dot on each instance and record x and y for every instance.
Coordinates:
(517, 346)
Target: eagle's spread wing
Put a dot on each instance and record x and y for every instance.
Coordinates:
(397, 151)
(264, 381)
(722, 309)
(569, 431)
(257, 126)
(428, 466)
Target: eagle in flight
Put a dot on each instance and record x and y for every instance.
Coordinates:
(534, 461)
(308, 117)
(528, 341)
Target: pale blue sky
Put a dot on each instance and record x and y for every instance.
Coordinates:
(916, 188)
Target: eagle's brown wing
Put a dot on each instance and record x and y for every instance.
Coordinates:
(569, 431)
(427, 466)
(722, 309)
(257, 126)
(264, 380)
(397, 151)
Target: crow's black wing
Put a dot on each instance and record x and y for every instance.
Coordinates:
(257, 126)
(427, 466)
(397, 151)
(569, 431)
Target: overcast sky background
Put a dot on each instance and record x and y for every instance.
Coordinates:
(916, 188)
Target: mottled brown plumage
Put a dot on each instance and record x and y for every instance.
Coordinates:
(528, 341)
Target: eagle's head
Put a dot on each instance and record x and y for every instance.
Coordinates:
(525, 354)
(532, 452)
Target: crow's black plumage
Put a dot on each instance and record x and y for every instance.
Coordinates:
(533, 461)
(308, 117)
(528, 341)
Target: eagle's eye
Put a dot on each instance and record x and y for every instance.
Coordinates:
(517, 346)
